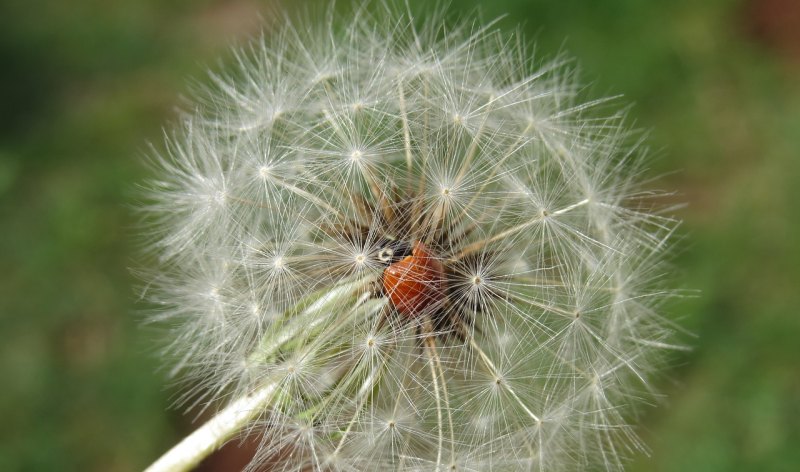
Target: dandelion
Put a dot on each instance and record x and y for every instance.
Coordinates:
(386, 244)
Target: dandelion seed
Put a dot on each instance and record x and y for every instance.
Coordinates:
(390, 245)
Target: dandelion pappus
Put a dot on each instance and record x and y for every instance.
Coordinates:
(372, 250)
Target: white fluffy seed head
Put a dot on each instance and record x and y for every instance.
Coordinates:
(326, 153)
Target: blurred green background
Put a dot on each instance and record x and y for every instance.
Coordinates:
(84, 85)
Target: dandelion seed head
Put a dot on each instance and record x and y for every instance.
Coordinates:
(431, 245)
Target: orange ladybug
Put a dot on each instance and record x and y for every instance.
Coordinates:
(415, 282)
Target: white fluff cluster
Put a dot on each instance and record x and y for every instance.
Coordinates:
(327, 144)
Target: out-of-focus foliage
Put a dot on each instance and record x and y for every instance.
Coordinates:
(84, 85)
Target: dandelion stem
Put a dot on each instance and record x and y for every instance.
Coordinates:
(208, 438)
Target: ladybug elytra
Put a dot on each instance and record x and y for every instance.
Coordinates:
(414, 282)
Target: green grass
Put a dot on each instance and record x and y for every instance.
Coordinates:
(85, 85)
